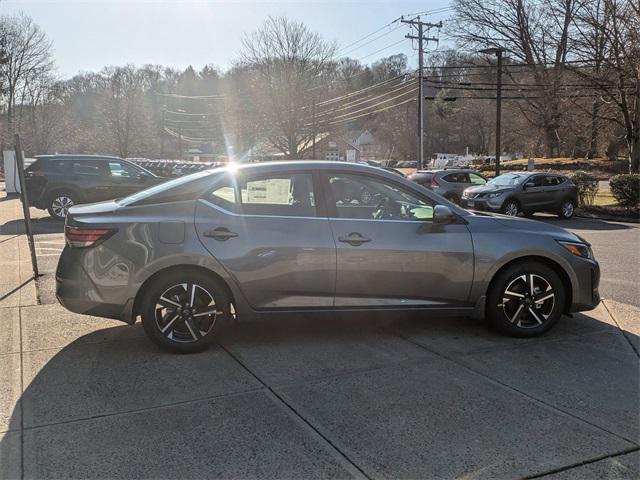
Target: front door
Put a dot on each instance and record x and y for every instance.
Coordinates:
(270, 235)
(534, 196)
(388, 250)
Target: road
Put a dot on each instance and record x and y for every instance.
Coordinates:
(616, 246)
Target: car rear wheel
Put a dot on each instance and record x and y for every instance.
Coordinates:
(567, 209)
(511, 208)
(525, 300)
(60, 203)
(181, 310)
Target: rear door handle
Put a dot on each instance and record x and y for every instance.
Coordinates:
(221, 234)
(354, 238)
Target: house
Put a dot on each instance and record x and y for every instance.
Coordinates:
(370, 148)
(332, 147)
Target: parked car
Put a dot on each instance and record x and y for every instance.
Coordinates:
(57, 182)
(406, 164)
(289, 236)
(524, 192)
(448, 182)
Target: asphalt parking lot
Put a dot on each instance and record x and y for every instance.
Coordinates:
(324, 396)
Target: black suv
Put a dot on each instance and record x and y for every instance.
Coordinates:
(57, 182)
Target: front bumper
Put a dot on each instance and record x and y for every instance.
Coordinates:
(482, 204)
(586, 294)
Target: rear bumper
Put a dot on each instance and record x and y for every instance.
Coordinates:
(77, 292)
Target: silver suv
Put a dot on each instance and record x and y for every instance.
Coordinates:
(448, 182)
(307, 236)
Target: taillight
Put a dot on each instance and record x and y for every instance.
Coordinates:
(434, 182)
(81, 237)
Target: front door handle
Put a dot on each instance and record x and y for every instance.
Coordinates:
(354, 238)
(221, 234)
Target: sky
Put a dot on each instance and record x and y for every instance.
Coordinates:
(89, 35)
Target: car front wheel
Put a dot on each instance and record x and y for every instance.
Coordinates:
(511, 208)
(525, 300)
(181, 310)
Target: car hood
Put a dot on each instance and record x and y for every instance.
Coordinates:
(534, 227)
(488, 189)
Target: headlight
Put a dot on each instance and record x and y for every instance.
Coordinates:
(496, 194)
(578, 249)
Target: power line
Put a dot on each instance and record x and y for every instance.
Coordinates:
(340, 53)
(346, 120)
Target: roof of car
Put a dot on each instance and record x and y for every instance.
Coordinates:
(63, 156)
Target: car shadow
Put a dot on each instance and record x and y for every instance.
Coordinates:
(40, 226)
(117, 369)
(583, 223)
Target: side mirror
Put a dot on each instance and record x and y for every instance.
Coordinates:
(529, 185)
(442, 215)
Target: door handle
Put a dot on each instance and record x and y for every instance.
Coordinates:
(354, 238)
(221, 234)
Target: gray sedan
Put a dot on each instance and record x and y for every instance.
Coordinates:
(312, 236)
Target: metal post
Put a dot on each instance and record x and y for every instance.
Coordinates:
(498, 110)
(25, 205)
(421, 97)
(313, 109)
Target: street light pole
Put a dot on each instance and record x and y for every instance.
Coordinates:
(498, 53)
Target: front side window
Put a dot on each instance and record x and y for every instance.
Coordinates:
(281, 194)
(88, 167)
(355, 196)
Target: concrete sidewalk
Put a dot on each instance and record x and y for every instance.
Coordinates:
(316, 396)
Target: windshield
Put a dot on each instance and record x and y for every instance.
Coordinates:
(507, 180)
(166, 187)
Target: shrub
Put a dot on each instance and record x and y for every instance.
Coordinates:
(626, 189)
(587, 187)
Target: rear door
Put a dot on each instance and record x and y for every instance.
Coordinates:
(554, 192)
(389, 253)
(271, 235)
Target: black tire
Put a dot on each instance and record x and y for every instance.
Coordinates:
(185, 329)
(511, 207)
(566, 209)
(58, 203)
(509, 314)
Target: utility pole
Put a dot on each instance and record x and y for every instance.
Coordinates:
(162, 132)
(180, 143)
(421, 39)
(313, 110)
(498, 53)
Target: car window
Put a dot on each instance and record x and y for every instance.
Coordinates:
(281, 194)
(551, 181)
(122, 170)
(538, 180)
(476, 179)
(364, 197)
(508, 179)
(224, 193)
(458, 177)
(88, 167)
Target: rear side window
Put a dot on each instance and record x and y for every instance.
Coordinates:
(279, 194)
(90, 167)
(456, 178)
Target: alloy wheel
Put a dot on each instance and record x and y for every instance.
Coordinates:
(186, 312)
(528, 301)
(567, 209)
(511, 209)
(61, 205)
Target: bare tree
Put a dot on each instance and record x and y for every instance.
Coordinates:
(122, 107)
(27, 56)
(288, 59)
(610, 30)
(536, 35)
